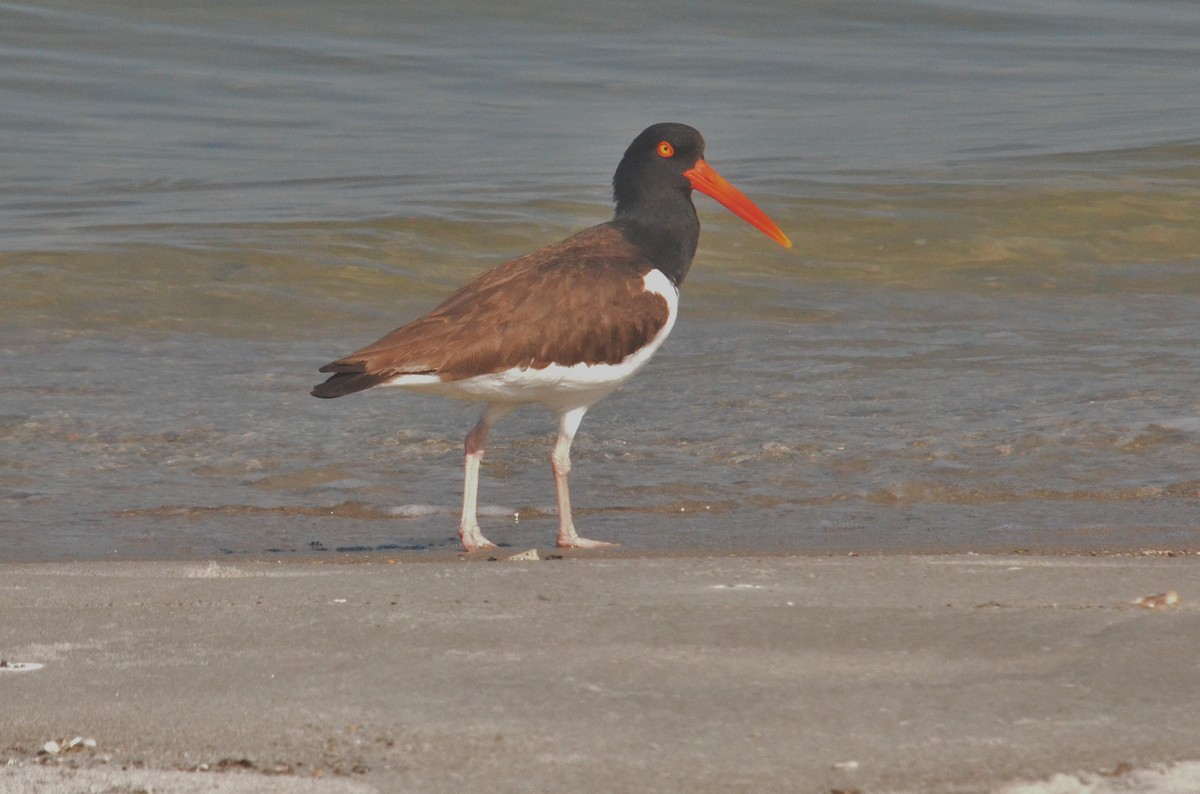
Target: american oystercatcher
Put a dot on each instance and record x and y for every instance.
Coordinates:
(565, 325)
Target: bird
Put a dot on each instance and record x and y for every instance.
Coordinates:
(565, 325)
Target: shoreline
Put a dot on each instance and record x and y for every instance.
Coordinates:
(337, 556)
(600, 672)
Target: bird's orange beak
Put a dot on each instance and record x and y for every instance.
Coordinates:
(706, 179)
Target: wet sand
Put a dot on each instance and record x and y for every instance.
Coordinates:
(601, 673)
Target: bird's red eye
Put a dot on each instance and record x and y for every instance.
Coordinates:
(665, 149)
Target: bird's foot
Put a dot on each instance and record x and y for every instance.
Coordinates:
(473, 540)
(573, 541)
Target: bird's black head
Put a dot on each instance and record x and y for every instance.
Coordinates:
(653, 190)
(654, 165)
(654, 196)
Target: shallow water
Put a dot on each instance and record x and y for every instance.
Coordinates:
(984, 338)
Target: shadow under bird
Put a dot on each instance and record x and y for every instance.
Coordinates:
(564, 325)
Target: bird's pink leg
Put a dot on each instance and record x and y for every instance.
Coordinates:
(468, 530)
(568, 423)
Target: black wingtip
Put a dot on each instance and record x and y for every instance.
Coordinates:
(343, 383)
(334, 387)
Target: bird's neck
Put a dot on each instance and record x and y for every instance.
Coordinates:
(667, 238)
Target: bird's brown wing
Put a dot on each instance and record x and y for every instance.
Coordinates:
(580, 300)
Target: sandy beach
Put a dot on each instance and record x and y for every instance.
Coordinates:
(601, 673)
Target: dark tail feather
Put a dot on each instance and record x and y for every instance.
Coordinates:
(343, 383)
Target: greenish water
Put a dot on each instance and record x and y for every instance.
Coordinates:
(984, 337)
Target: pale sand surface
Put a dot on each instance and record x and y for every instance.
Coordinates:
(604, 674)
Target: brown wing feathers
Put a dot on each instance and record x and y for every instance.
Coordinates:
(581, 300)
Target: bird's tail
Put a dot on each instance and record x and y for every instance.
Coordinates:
(342, 383)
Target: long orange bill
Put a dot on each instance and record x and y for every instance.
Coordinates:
(706, 179)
